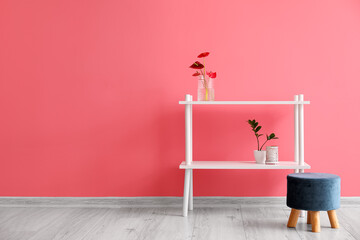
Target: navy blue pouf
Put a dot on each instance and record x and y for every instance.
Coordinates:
(313, 192)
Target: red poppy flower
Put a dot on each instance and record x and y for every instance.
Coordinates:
(211, 74)
(196, 74)
(204, 54)
(197, 65)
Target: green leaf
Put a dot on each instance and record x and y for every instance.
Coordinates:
(255, 125)
(275, 138)
(260, 135)
(251, 123)
(258, 129)
(272, 135)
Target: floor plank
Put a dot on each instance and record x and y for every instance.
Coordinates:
(142, 223)
(327, 233)
(269, 222)
(218, 223)
(25, 223)
(349, 219)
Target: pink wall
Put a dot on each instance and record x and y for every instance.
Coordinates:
(89, 93)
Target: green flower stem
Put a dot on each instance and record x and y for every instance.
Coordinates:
(205, 85)
(206, 89)
(263, 144)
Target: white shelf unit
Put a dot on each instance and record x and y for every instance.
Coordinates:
(298, 165)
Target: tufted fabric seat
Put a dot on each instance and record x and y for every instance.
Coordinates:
(313, 192)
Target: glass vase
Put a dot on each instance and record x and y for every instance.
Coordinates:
(206, 90)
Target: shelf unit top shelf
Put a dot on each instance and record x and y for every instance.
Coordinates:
(241, 165)
(244, 102)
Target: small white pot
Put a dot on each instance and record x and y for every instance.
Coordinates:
(260, 156)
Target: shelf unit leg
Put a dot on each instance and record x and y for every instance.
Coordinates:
(191, 203)
(301, 138)
(188, 130)
(191, 200)
(186, 192)
(188, 197)
(296, 132)
(301, 132)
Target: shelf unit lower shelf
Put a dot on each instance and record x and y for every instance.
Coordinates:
(242, 165)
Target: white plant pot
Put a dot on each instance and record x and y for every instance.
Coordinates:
(260, 156)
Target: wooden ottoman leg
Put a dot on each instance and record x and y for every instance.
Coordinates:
(308, 217)
(333, 219)
(315, 221)
(294, 215)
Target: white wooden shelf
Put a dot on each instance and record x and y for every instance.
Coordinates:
(243, 102)
(298, 165)
(241, 165)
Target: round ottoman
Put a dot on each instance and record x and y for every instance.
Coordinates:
(313, 192)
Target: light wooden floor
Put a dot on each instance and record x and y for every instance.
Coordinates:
(161, 218)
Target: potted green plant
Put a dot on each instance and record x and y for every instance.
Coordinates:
(259, 154)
